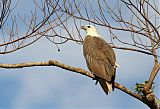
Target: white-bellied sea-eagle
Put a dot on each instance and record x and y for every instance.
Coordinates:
(100, 58)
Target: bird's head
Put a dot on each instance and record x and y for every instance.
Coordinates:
(90, 30)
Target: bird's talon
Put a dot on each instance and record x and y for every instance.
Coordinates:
(96, 82)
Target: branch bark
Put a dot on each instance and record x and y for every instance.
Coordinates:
(76, 70)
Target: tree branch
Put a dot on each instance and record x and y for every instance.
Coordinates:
(69, 68)
(135, 50)
(153, 74)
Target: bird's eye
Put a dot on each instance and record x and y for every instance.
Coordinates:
(89, 26)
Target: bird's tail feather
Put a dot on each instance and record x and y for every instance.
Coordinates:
(109, 85)
(106, 86)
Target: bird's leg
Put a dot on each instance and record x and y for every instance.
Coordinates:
(96, 81)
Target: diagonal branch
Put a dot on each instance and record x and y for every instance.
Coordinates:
(83, 72)
(70, 68)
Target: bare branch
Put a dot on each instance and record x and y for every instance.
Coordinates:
(73, 69)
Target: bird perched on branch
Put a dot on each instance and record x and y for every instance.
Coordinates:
(100, 58)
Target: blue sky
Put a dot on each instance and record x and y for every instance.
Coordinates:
(52, 87)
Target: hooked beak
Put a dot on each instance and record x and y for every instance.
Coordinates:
(83, 27)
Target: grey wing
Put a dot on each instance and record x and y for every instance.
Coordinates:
(100, 68)
(99, 59)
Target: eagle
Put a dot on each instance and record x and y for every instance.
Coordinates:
(100, 58)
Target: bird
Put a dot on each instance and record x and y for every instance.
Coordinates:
(100, 58)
